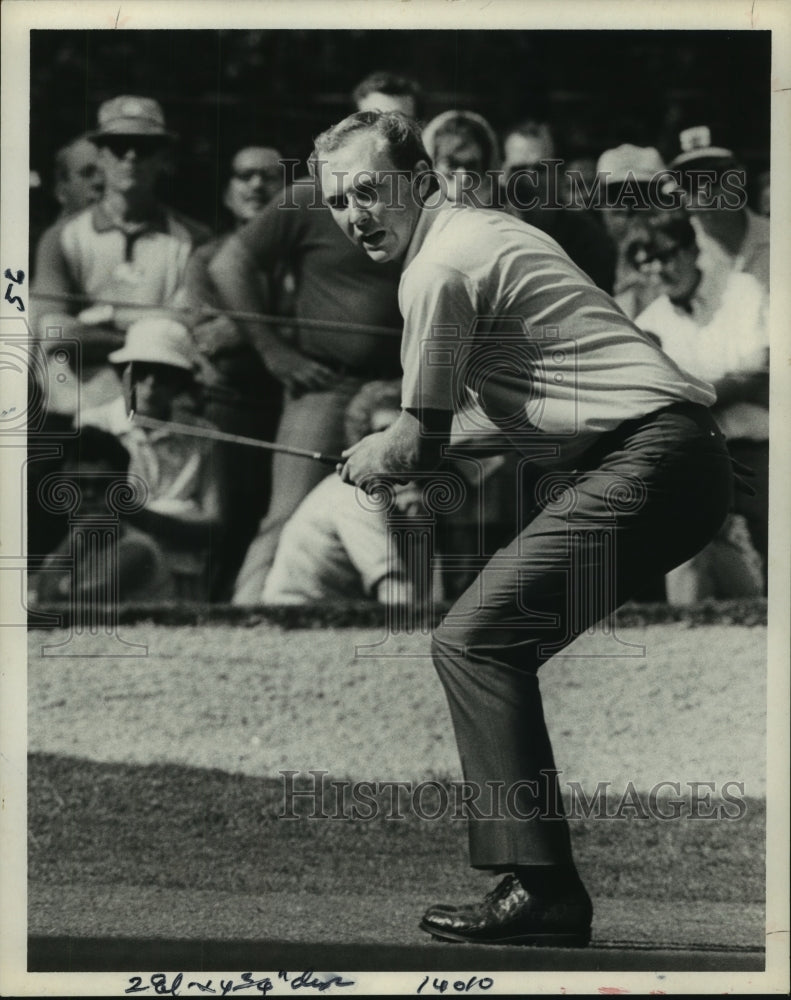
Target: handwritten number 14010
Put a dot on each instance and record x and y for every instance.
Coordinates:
(459, 986)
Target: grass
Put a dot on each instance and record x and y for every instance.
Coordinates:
(171, 826)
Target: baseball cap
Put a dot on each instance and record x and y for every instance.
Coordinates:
(158, 340)
(131, 116)
(630, 163)
(696, 145)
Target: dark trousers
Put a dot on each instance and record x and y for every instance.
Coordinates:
(647, 497)
(754, 507)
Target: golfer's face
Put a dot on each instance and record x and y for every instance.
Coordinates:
(369, 199)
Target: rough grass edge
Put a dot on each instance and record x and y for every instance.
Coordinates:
(369, 614)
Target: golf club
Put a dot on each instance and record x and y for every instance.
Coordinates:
(189, 430)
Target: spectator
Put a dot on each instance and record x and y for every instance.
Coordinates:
(464, 150)
(630, 179)
(580, 171)
(536, 195)
(135, 571)
(182, 512)
(241, 396)
(715, 327)
(127, 248)
(323, 367)
(733, 241)
(727, 231)
(383, 91)
(79, 182)
(256, 176)
(334, 545)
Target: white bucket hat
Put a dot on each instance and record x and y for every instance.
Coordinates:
(158, 340)
(630, 163)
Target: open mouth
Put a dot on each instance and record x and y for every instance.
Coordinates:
(371, 241)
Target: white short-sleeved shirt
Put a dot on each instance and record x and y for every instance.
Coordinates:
(332, 546)
(494, 310)
(728, 336)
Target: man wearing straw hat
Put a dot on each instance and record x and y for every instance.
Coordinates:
(127, 250)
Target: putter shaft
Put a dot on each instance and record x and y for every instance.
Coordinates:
(210, 432)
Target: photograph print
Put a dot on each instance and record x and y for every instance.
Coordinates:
(396, 551)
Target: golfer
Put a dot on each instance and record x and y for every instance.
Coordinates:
(633, 479)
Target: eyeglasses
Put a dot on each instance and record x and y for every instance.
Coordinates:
(141, 145)
(642, 254)
(270, 174)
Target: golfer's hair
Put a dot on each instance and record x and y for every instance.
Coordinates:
(381, 395)
(393, 84)
(401, 134)
(95, 445)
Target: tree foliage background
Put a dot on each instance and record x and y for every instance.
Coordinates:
(223, 88)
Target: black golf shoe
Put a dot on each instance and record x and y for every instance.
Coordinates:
(509, 914)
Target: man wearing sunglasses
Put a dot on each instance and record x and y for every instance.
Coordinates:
(126, 251)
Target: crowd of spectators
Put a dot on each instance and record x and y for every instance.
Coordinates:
(275, 328)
